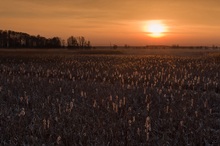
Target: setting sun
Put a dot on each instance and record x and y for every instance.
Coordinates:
(155, 29)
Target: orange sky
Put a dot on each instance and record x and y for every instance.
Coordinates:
(190, 22)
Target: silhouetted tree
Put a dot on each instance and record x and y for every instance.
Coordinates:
(126, 46)
(5, 39)
(81, 41)
(1, 38)
(12, 39)
(88, 45)
(115, 46)
(72, 42)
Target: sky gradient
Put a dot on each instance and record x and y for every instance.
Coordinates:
(189, 22)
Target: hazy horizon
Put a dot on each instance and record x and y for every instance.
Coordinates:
(116, 22)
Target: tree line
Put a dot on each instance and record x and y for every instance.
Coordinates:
(13, 39)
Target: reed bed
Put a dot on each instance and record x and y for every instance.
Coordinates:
(109, 100)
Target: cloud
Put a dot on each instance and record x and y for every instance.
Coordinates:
(83, 9)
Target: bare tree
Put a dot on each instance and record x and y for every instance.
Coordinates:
(72, 42)
(81, 41)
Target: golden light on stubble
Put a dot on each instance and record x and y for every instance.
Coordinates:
(155, 28)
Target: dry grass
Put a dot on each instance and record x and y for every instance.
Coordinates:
(109, 97)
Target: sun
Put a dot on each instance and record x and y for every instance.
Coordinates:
(155, 28)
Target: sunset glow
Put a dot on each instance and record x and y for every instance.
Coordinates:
(155, 29)
(119, 22)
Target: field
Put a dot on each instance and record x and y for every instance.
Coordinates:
(110, 97)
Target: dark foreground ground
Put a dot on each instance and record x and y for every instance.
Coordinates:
(115, 97)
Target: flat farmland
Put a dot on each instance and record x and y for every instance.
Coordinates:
(122, 51)
(110, 97)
